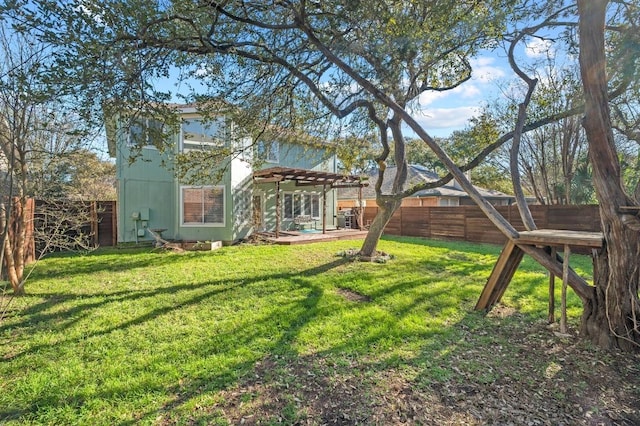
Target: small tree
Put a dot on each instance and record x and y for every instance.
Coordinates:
(35, 128)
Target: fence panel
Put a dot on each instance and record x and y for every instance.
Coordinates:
(417, 220)
(575, 218)
(479, 227)
(469, 223)
(447, 222)
(394, 227)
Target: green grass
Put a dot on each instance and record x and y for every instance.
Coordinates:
(144, 337)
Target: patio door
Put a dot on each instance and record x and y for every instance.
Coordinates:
(258, 213)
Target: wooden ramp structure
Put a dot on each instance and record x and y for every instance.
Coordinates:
(512, 255)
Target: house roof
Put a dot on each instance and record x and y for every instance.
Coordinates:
(306, 177)
(417, 174)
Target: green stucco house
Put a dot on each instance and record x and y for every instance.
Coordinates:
(293, 187)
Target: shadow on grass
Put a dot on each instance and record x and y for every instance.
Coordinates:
(189, 387)
(367, 351)
(109, 260)
(74, 314)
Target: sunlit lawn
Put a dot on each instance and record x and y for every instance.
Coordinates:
(137, 336)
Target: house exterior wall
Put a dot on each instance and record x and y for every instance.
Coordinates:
(300, 157)
(149, 190)
(145, 188)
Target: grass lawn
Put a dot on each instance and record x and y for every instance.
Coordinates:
(298, 335)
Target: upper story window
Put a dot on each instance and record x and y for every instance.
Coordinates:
(269, 151)
(201, 134)
(145, 133)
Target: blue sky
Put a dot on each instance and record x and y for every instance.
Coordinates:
(441, 113)
(444, 112)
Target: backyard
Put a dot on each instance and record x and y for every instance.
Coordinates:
(264, 334)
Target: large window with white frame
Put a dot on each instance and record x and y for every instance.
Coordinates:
(202, 205)
(199, 134)
(301, 204)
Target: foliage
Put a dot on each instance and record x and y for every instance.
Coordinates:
(39, 132)
(79, 175)
(142, 336)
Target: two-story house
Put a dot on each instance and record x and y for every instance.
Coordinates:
(292, 185)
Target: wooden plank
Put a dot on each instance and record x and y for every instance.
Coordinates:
(555, 237)
(501, 276)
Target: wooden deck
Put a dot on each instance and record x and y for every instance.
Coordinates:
(296, 237)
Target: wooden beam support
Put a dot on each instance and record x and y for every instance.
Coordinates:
(324, 209)
(269, 179)
(565, 281)
(501, 276)
(552, 292)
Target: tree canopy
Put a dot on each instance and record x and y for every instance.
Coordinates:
(334, 67)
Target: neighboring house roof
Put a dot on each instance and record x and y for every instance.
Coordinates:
(416, 174)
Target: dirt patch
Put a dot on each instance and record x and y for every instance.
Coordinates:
(501, 311)
(355, 254)
(506, 371)
(352, 295)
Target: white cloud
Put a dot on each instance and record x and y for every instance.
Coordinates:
(537, 48)
(485, 70)
(427, 98)
(446, 118)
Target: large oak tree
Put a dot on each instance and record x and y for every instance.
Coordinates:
(296, 63)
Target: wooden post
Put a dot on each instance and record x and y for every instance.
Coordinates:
(277, 209)
(361, 209)
(30, 242)
(324, 209)
(94, 224)
(501, 276)
(565, 280)
(552, 289)
(114, 223)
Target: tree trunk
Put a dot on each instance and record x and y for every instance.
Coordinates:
(13, 247)
(610, 316)
(387, 205)
(385, 212)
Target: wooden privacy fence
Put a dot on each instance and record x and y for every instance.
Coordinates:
(468, 223)
(101, 223)
(99, 219)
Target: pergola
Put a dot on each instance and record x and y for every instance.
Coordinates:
(303, 177)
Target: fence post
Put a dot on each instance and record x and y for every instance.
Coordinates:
(94, 223)
(114, 223)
